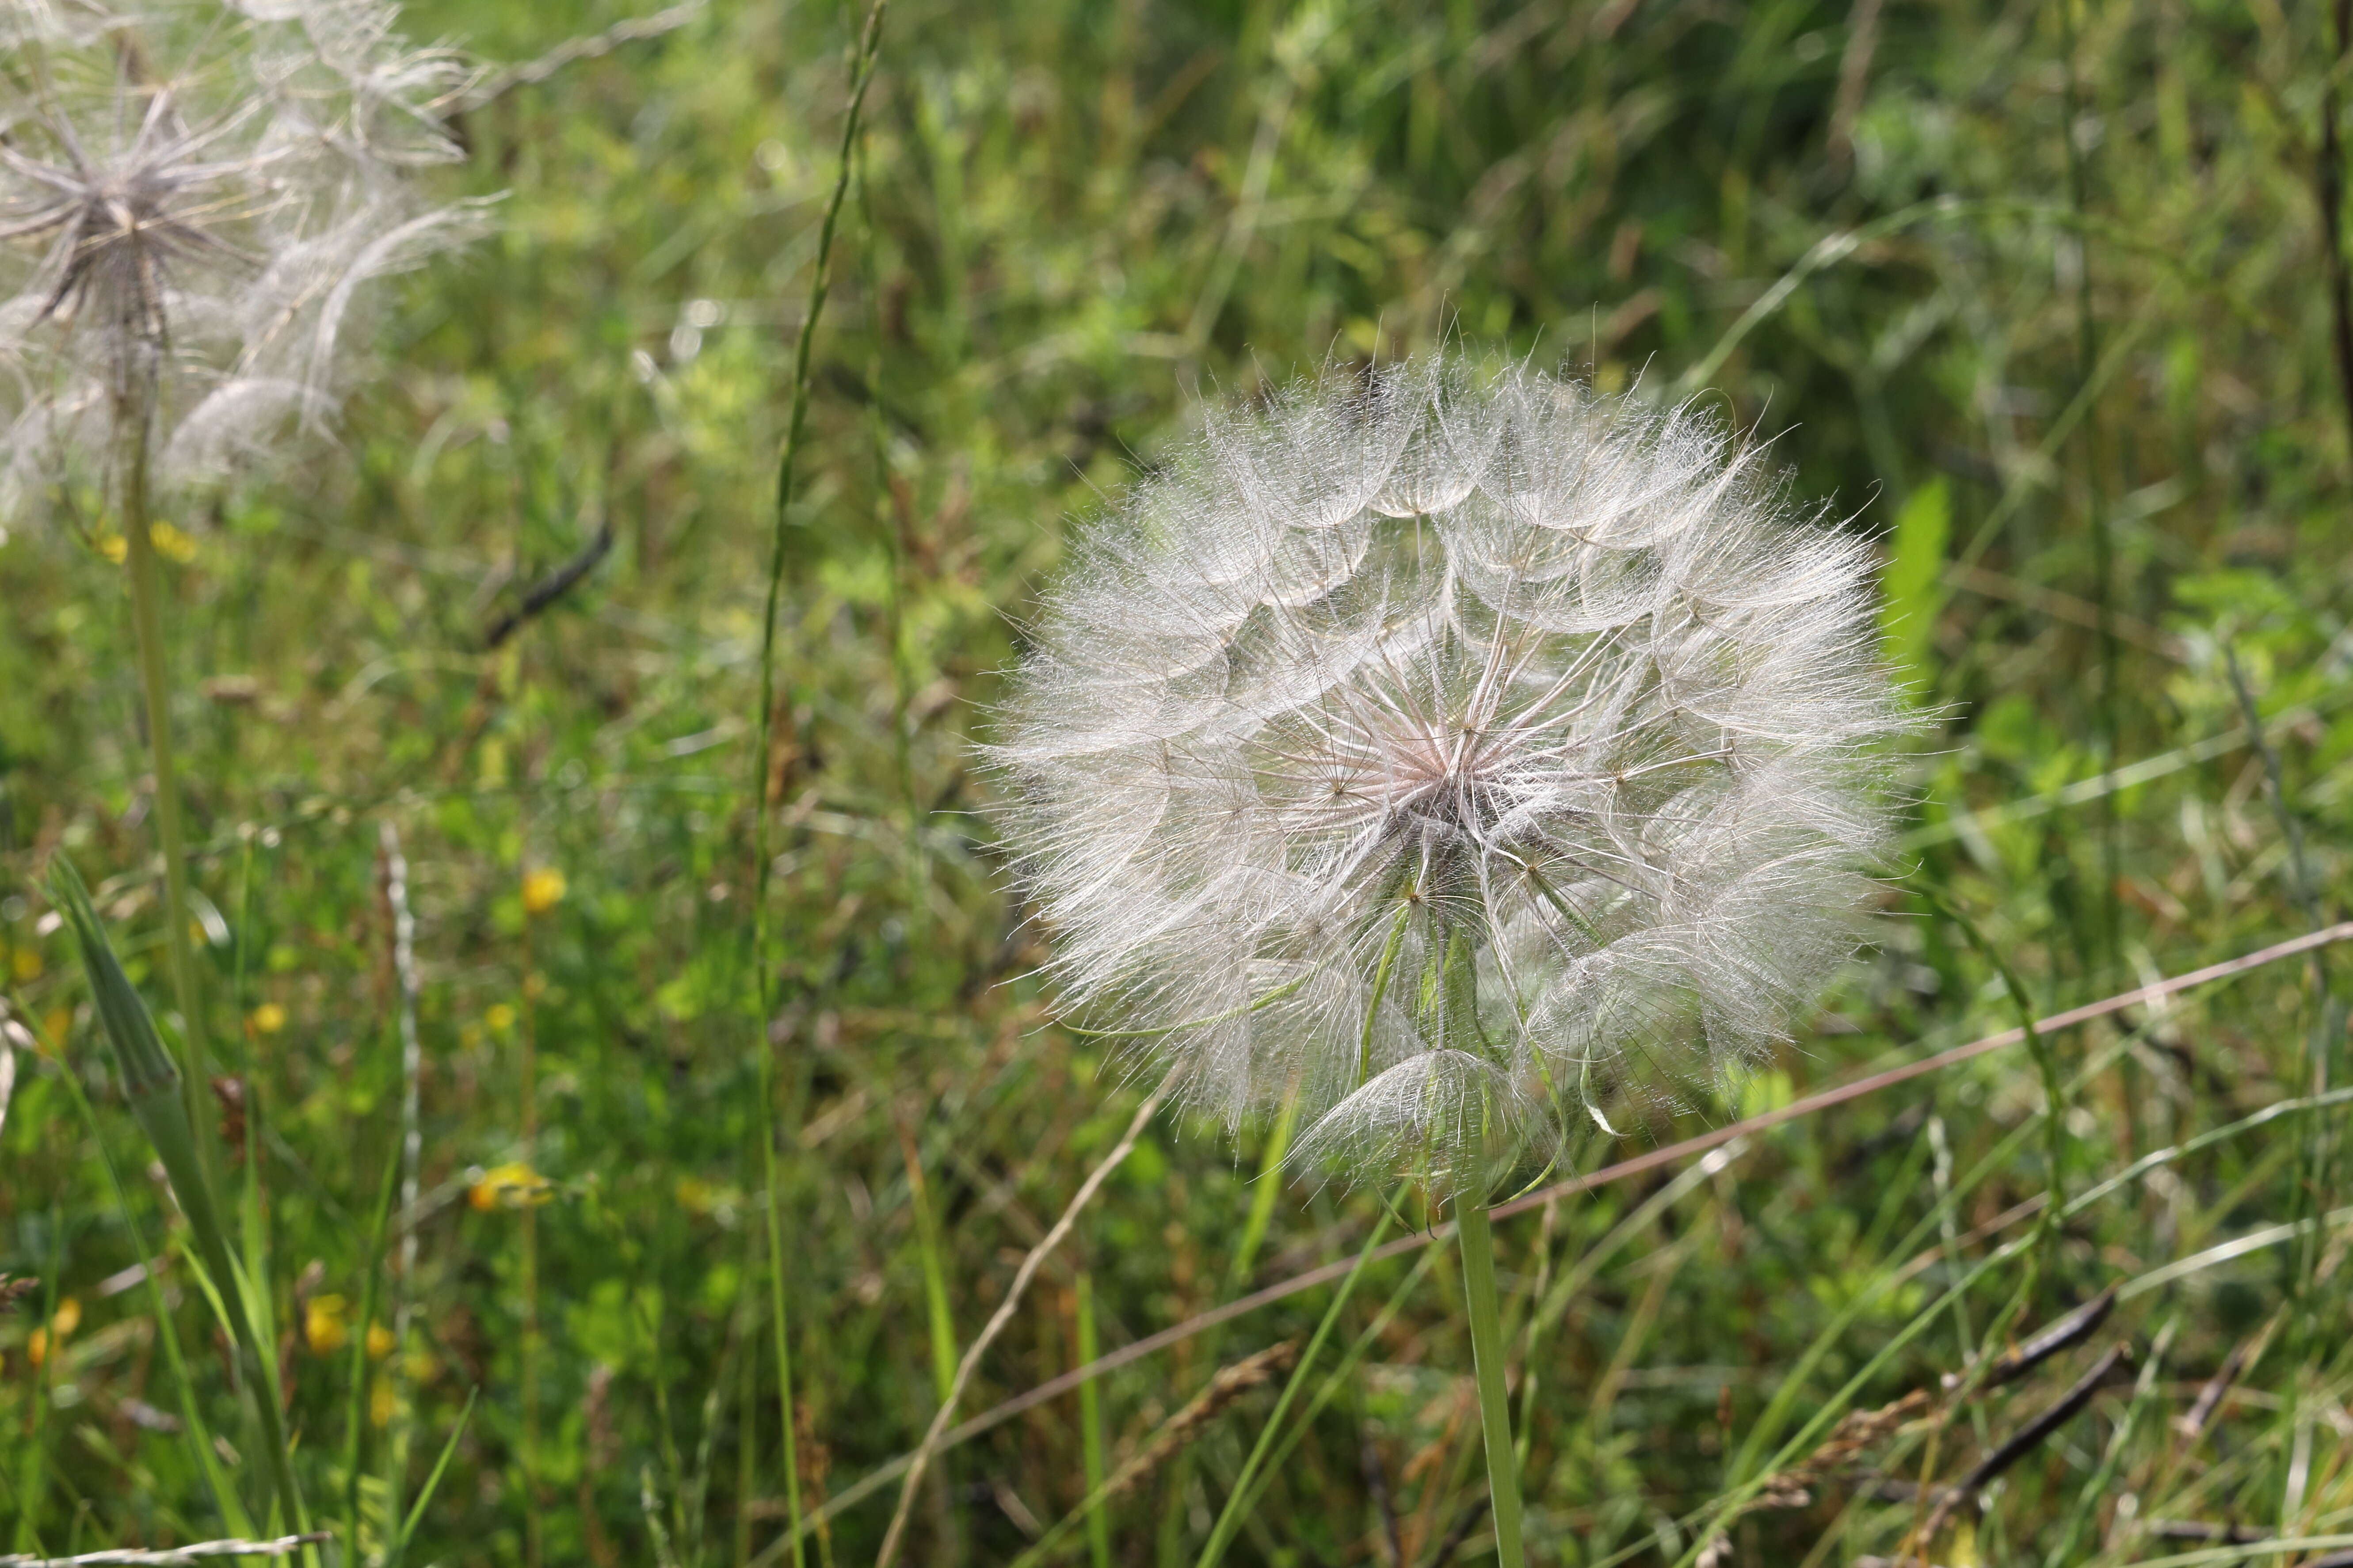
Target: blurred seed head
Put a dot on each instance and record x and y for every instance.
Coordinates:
(1458, 753)
(192, 197)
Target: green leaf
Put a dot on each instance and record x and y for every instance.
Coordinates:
(1914, 586)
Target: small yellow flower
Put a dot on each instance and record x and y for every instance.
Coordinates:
(67, 1320)
(379, 1342)
(696, 1196)
(543, 889)
(56, 1024)
(172, 543)
(25, 963)
(266, 1019)
(513, 1185)
(500, 1018)
(380, 1402)
(323, 1328)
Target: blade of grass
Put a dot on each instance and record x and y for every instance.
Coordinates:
(152, 1084)
(432, 1482)
(355, 1413)
(935, 1278)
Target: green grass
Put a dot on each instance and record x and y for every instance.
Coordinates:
(2085, 386)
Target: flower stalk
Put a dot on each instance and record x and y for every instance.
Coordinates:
(1475, 1238)
(155, 687)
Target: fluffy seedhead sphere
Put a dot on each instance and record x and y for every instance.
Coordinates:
(191, 196)
(1457, 753)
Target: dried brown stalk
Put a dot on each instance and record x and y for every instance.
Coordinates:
(1230, 1385)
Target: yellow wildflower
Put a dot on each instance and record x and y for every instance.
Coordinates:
(500, 1018)
(379, 1342)
(380, 1402)
(323, 1328)
(543, 889)
(513, 1185)
(266, 1019)
(172, 543)
(25, 963)
(67, 1319)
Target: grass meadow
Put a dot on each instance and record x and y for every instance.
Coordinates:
(2049, 298)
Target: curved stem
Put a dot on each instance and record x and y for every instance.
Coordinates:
(1473, 1233)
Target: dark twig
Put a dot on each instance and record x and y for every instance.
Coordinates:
(2071, 1330)
(2330, 180)
(2026, 1440)
(2210, 1398)
(551, 587)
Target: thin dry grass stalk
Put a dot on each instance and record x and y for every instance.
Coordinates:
(10, 1028)
(934, 1438)
(281, 1546)
(1229, 1383)
(1857, 1430)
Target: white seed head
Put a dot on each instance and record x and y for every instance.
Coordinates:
(191, 198)
(1454, 753)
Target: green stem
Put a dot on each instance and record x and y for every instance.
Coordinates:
(777, 1319)
(862, 75)
(1090, 1433)
(154, 680)
(1471, 1230)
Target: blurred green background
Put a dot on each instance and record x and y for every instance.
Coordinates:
(2041, 293)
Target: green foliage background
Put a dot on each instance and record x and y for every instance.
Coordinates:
(2041, 292)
